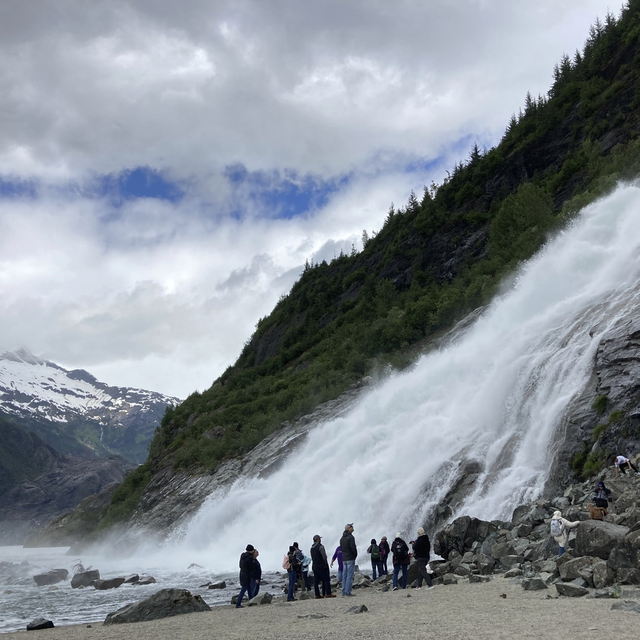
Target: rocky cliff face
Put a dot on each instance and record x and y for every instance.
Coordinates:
(40, 483)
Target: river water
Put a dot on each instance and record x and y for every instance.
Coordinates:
(21, 601)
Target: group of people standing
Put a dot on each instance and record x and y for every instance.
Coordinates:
(296, 563)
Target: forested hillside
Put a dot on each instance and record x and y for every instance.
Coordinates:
(435, 259)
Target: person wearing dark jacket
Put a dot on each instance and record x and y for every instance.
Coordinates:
(422, 553)
(320, 567)
(349, 555)
(376, 562)
(256, 576)
(602, 495)
(246, 566)
(384, 554)
(401, 560)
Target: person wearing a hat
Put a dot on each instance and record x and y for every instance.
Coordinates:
(601, 495)
(560, 530)
(401, 560)
(385, 550)
(320, 567)
(422, 553)
(349, 555)
(246, 567)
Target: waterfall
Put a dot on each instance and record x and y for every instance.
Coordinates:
(495, 396)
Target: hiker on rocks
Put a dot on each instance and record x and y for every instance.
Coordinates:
(320, 567)
(422, 553)
(622, 464)
(289, 563)
(256, 575)
(601, 495)
(376, 562)
(559, 527)
(401, 560)
(384, 554)
(349, 555)
(246, 566)
(337, 555)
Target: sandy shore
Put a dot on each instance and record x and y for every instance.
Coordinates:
(475, 611)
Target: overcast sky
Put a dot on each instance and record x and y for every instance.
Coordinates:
(166, 168)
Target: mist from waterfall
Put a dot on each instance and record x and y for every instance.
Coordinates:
(496, 395)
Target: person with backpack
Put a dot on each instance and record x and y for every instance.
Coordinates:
(559, 529)
(422, 553)
(299, 560)
(385, 550)
(376, 562)
(401, 560)
(289, 563)
(349, 555)
(246, 567)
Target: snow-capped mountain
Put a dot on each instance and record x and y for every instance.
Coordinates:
(74, 412)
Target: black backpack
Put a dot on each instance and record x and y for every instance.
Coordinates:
(375, 552)
(399, 550)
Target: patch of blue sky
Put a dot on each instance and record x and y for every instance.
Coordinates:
(283, 194)
(140, 182)
(16, 188)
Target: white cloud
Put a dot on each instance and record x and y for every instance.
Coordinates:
(163, 295)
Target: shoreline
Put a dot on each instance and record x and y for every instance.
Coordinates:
(493, 610)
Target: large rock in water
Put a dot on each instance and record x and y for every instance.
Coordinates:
(85, 578)
(51, 577)
(597, 538)
(163, 604)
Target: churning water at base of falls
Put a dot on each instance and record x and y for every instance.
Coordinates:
(496, 396)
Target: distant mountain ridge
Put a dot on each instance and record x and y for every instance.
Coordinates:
(74, 412)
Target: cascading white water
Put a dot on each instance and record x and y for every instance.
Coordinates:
(496, 396)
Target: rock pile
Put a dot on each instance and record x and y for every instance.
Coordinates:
(599, 554)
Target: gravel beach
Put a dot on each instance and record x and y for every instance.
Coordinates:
(475, 611)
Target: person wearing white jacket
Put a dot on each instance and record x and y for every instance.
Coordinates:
(564, 526)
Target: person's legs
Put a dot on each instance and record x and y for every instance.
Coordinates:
(347, 576)
(243, 589)
(326, 583)
(560, 551)
(422, 571)
(373, 569)
(405, 575)
(316, 583)
(292, 583)
(384, 566)
(396, 571)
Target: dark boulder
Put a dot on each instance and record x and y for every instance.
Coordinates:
(111, 583)
(145, 580)
(461, 534)
(571, 590)
(163, 604)
(598, 538)
(39, 623)
(85, 578)
(51, 577)
(218, 585)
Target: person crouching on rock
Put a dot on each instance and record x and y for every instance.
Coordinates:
(601, 495)
(559, 527)
(622, 464)
(246, 566)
